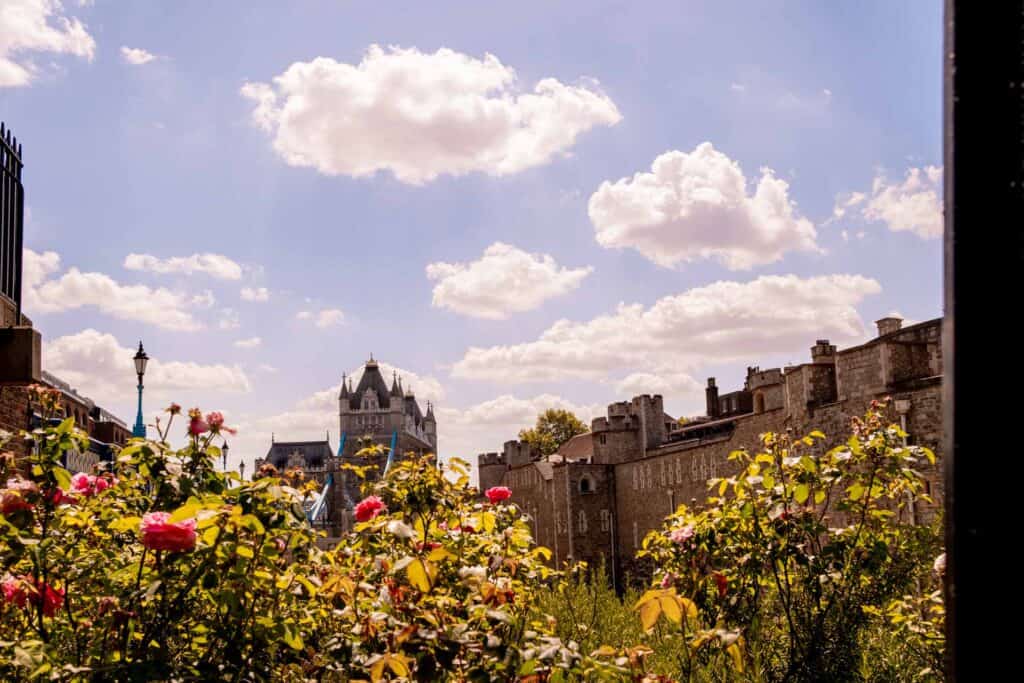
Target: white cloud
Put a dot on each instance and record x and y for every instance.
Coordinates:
(324, 318)
(721, 322)
(264, 367)
(421, 115)
(99, 367)
(737, 87)
(668, 383)
(250, 343)
(75, 289)
(37, 26)
(255, 294)
(229, 319)
(214, 265)
(504, 280)
(136, 56)
(845, 202)
(484, 427)
(696, 206)
(204, 300)
(915, 205)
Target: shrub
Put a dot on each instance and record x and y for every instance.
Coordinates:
(782, 568)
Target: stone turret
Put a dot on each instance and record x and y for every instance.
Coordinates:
(711, 396)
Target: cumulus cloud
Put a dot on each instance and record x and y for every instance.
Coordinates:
(255, 294)
(324, 318)
(98, 366)
(720, 322)
(204, 300)
(37, 26)
(214, 265)
(420, 115)
(915, 205)
(75, 289)
(668, 383)
(250, 343)
(696, 206)
(504, 280)
(136, 56)
(484, 427)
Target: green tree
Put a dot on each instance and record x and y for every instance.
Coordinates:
(554, 427)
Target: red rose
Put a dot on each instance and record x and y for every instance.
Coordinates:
(11, 502)
(14, 591)
(496, 494)
(159, 533)
(368, 508)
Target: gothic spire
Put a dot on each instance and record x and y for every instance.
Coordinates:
(344, 387)
(396, 389)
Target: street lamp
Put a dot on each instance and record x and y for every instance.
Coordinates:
(140, 369)
(224, 456)
(241, 470)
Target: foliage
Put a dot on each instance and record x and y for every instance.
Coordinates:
(554, 427)
(160, 567)
(781, 568)
(233, 603)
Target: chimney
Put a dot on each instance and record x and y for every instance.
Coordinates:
(823, 352)
(888, 325)
(713, 407)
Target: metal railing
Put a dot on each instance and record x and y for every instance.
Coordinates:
(12, 217)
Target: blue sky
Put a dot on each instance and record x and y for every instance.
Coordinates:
(145, 134)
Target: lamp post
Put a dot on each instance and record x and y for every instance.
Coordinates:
(241, 470)
(140, 369)
(224, 456)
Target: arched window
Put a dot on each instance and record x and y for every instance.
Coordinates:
(759, 403)
(586, 485)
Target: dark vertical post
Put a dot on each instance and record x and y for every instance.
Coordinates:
(984, 264)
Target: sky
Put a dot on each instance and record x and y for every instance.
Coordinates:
(514, 206)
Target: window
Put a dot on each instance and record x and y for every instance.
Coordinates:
(582, 522)
(606, 520)
(586, 485)
(602, 439)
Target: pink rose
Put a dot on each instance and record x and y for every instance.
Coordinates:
(101, 484)
(681, 536)
(24, 590)
(14, 591)
(83, 484)
(197, 426)
(159, 533)
(496, 494)
(368, 508)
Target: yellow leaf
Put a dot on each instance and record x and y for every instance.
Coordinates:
(689, 606)
(377, 670)
(244, 551)
(604, 651)
(125, 524)
(737, 656)
(439, 554)
(186, 511)
(649, 612)
(397, 665)
(417, 575)
(671, 607)
(487, 521)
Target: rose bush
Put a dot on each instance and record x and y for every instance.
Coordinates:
(157, 566)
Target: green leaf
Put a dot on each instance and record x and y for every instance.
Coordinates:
(856, 491)
(244, 551)
(291, 636)
(819, 497)
(63, 478)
